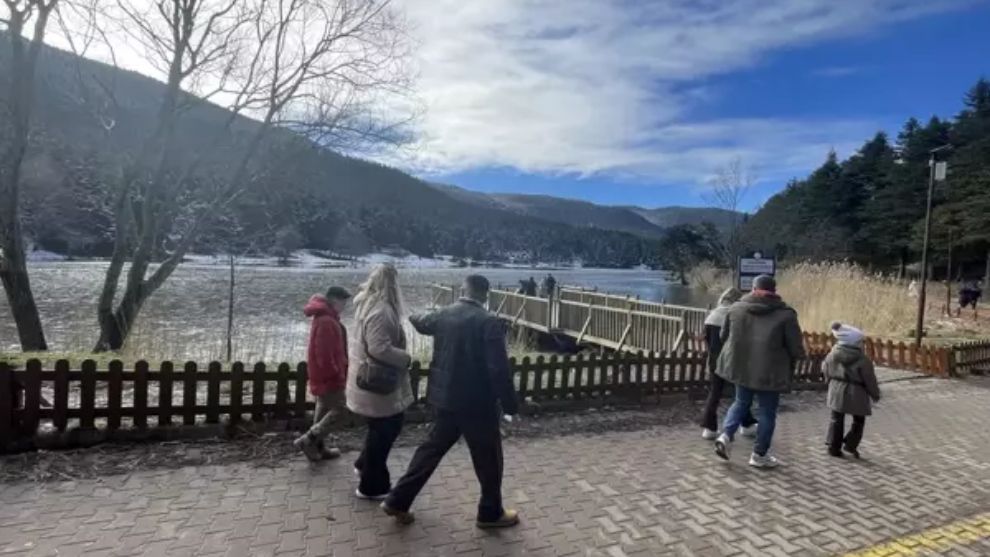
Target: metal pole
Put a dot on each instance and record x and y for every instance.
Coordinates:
(920, 325)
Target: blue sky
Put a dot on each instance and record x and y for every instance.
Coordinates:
(641, 102)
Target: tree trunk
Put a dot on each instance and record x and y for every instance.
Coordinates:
(230, 312)
(17, 285)
(114, 331)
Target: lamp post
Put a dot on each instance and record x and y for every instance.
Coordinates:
(933, 174)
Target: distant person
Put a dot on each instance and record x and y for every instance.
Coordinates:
(551, 285)
(713, 341)
(523, 287)
(531, 287)
(761, 346)
(326, 364)
(381, 343)
(852, 385)
(469, 378)
(913, 289)
(969, 295)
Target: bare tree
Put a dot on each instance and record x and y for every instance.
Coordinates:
(311, 68)
(728, 189)
(16, 113)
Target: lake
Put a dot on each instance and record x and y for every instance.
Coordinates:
(186, 319)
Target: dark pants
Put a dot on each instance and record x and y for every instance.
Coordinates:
(709, 419)
(484, 440)
(836, 430)
(373, 461)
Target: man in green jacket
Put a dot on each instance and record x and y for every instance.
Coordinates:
(762, 344)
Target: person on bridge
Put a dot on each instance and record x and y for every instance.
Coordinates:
(852, 384)
(326, 365)
(713, 342)
(762, 344)
(469, 378)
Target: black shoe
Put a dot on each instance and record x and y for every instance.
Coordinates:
(852, 451)
(836, 453)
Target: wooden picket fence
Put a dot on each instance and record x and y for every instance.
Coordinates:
(939, 361)
(39, 401)
(972, 357)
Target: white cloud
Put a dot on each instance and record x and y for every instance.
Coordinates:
(609, 86)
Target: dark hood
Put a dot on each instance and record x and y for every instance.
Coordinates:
(762, 305)
(846, 354)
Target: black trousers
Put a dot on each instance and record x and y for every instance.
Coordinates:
(373, 460)
(709, 418)
(837, 437)
(484, 440)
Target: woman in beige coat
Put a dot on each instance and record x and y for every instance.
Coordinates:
(379, 337)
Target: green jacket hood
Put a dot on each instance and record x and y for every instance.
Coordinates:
(762, 305)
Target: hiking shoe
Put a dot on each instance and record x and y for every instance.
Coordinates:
(362, 496)
(708, 435)
(836, 453)
(402, 517)
(309, 448)
(508, 519)
(765, 461)
(853, 452)
(329, 453)
(723, 447)
(748, 431)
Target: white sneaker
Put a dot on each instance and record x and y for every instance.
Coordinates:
(748, 431)
(359, 495)
(723, 447)
(765, 461)
(708, 435)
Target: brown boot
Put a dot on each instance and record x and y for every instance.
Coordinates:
(402, 517)
(509, 518)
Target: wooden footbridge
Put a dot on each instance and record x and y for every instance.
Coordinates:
(621, 323)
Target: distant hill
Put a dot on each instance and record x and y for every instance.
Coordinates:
(306, 195)
(649, 223)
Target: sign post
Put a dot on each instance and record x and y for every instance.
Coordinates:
(751, 267)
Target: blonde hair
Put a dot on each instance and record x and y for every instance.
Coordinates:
(729, 297)
(380, 289)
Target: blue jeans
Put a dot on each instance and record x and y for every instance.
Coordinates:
(768, 401)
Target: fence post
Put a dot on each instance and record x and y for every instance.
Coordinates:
(302, 376)
(165, 394)
(87, 395)
(282, 392)
(114, 394)
(236, 392)
(213, 393)
(60, 404)
(258, 392)
(32, 398)
(189, 394)
(6, 405)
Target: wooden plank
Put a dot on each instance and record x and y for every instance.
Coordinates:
(302, 377)
(213, 393)
(141, 394)
(258, 392)
(236, 392)
(189, 379)
(32, 397)
(282, 392)
(552, 370)
(165, 395)
(6, 406)
(523, 373)
(60, 399)
(114, 394)
(87, 395)
(539, 393)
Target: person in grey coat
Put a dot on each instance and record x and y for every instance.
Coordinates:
(762, 345)
(852, 385)
(713, 344)
(380, 338)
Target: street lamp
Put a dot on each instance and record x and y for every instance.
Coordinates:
(936, 171)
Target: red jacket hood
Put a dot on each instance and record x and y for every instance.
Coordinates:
(319, 305)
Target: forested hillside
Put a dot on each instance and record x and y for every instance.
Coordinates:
(870, 208)
(301, 195)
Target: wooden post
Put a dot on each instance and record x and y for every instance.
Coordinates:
(87, 395)
(6, 406)
(60, 402)
(282, 392)
(258, 392)
(213, 393)
(587, 323)
(189, 393)
(236, 392)
(32, 398)
(165, 394)
(302, 377)
(114, 388)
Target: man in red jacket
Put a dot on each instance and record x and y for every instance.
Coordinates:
(326, 360)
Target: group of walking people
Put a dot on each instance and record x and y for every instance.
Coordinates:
(470, 389)
(754, 343)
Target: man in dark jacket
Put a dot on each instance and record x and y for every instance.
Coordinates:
(762, 344)
(469, 377)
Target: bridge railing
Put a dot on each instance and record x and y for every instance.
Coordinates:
(620, 329)
(692, 316)
(517, 307)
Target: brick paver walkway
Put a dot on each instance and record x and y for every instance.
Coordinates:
(654, 492)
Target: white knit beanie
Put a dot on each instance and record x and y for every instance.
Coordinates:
(847, 335)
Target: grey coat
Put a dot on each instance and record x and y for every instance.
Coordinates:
(386, 341)
(761, 344)
(852, 382)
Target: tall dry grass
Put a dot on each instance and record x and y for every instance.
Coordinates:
(826, 292)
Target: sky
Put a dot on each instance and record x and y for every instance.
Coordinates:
(640, 102)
